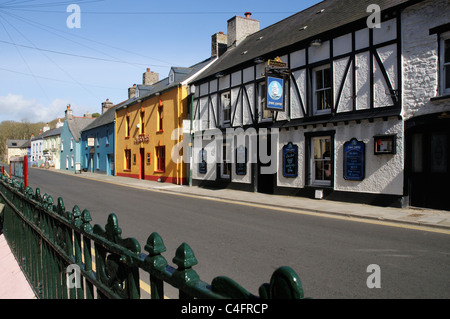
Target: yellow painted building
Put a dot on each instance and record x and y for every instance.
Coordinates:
(148, 128)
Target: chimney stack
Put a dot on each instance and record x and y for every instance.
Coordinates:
(132, 92)
(150, 77)
(239, 28)
(106, 105)
(68, 113)
(218, 44)
(59, 124)
(46, 128)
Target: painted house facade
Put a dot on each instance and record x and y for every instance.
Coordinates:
(320, 104)
(70, 151)
(148, 128)
(98, 142)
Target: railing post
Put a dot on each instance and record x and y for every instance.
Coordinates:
(156, 263)
(185, 275)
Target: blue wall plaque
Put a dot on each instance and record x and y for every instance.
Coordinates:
(290, 160)
(354, 160)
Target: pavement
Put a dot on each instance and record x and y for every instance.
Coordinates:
(13, 285)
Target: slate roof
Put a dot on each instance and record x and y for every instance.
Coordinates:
(53, 132)
(318, 19)
(18, 143)
(77, 124)
(106, 118)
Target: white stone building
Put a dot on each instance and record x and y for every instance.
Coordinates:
(365, 112)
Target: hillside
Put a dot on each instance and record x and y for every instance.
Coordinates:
(19, 130)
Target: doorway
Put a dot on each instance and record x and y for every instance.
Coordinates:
(428, 162)
(141, 163)
(266, 168)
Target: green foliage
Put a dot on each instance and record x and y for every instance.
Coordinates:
(20, 131)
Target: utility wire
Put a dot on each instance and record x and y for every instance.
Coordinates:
(25, 62)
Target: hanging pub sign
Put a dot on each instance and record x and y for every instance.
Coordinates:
(290, 160)
(354, 160)
(275, 93)
(241, 160)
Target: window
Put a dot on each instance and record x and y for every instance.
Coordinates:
(127, 126)
(107, 138)
(225, 102)
(142, 122)
(127, 159)
(160, 152)
(321, 166)
(264, 114)
(160, 118)
(71, 144)
(97, 164)
(445, 63)
(71, 161)
(322, 81)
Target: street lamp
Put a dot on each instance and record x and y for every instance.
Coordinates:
(191, 144)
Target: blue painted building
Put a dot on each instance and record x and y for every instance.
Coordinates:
(98, 142)
(71, 139)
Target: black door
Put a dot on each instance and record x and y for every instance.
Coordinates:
(266, 172)
(428, 165)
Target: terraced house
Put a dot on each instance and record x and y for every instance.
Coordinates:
(70, 153)
(148, 126)
(346, 100)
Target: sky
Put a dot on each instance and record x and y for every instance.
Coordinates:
(53, 53)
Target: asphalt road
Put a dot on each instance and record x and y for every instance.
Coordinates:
(247, 244)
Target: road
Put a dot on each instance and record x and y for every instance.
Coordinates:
(248, 243)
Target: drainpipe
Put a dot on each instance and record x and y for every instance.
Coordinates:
(191, 162)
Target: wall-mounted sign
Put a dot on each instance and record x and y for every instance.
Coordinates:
(241, 160)
(202, 166)
(90, 141)
(142, 138)
(354, 160)
(290, 160)
(384, 144)
(275, 93)
(277, 63)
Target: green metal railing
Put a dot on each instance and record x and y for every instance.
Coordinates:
(56, 247)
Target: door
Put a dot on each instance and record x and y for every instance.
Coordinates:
(266, 168)
(429, 166)
(142, 163)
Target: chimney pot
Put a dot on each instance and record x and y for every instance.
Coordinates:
(248, 15)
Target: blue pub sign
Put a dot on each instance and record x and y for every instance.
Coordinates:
(275, 93)
(354, 160)
(290, 160)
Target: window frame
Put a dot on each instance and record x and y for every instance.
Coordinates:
(443, 65)
(310, 168)
(225, 122)
(160, 162)
(127, 161)
(315, 90)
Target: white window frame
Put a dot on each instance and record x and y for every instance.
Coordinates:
(263, 114)
(313, 161)
(444, 66)
(315, 90)
(71, 144)
(228, 108)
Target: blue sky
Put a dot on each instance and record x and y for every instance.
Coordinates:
(45, 65)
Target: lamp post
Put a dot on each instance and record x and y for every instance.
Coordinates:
(191, 144)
